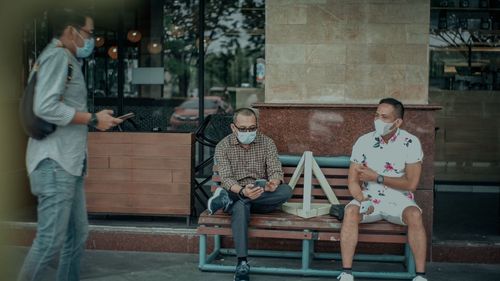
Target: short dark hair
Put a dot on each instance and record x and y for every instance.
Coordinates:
(245, 111)
(60, 19)
(399, 109)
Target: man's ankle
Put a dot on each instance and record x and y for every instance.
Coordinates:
(347, 270)
(242, 259)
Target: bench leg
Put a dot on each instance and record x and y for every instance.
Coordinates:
(409, 260)
(306, 253)
(202, 256)
(217, 243)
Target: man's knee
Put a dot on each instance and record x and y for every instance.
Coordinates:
(83, 234)
(351, 213)
(412, 216)
(284, 191)
(240, 207)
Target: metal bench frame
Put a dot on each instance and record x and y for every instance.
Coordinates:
(307, 254)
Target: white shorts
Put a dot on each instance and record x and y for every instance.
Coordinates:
(389, 205)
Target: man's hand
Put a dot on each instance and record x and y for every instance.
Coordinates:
(366, 174)
(106, 120)
(272, 185)
(252, 192)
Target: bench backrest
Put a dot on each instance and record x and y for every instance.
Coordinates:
(335, 170)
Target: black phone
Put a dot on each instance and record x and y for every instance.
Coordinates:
(261, 183)
(126, 116)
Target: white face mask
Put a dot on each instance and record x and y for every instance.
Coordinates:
(246, 137)
(382, 128)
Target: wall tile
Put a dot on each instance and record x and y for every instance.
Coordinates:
(416, 74)
(285, 54)
(331, 13)
(366, 54)
(324, 73)
(284, 73)
(407, 54)
(321, 54)
(297, 14)
(325, 93)
(288, 91)
(373, 48)
(417, 33)
(364, 93)
(275, 15)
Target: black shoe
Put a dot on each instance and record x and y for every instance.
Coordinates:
(220, 200)
(242, 272)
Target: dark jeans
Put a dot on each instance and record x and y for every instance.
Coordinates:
(241, 209)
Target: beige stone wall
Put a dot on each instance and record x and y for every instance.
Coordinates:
(347, 51)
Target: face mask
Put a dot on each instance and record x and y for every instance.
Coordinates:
(87, 49)
(246, 137)
(382, 128)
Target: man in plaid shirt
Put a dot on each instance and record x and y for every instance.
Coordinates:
(252, 181)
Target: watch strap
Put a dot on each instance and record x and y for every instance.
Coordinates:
(93, 120)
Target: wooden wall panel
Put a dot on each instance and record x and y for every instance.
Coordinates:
(140, 173)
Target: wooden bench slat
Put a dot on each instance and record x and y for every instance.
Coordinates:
(264, 233)
(300, 235)
(372, 238)
(328, 172)
(280, 220)
(319, 192)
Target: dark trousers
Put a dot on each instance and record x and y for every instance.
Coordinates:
(241, 209)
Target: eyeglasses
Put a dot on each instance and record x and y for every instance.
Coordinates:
(245, 129)
(90, 34)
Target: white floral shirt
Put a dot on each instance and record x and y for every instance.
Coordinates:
(387, 159)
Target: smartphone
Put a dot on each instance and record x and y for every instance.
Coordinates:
(126, 116)
(261, 183)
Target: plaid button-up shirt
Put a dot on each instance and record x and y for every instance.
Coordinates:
(238, 165)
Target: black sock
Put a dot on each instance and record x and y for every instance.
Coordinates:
(347, 270)
(420, 273)
(241, 259)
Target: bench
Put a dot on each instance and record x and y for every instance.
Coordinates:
(281, 225)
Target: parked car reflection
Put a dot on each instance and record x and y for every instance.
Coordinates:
(185, 116)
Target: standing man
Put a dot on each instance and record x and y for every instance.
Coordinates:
(243, 158)
(56, 164)
(385, 171)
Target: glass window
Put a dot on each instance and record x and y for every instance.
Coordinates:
(147, 53)
(464, 45)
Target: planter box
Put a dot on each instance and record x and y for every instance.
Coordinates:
(140, 173)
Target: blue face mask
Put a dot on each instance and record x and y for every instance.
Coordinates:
(86, 50)
(247, 137)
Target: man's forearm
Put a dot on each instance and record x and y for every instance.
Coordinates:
(400, 183)
(235, 188)
(82, 118)
(356, 192)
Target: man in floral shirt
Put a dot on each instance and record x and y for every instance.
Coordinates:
(384, 172)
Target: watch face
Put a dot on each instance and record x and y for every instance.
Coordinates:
(380, 179)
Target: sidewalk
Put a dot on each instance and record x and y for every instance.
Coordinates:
(145, 266)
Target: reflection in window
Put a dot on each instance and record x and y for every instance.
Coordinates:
(464, 43)
(147, 51)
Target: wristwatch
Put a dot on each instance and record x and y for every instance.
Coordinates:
(380, 179)
(240, 194)
(93, 120)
